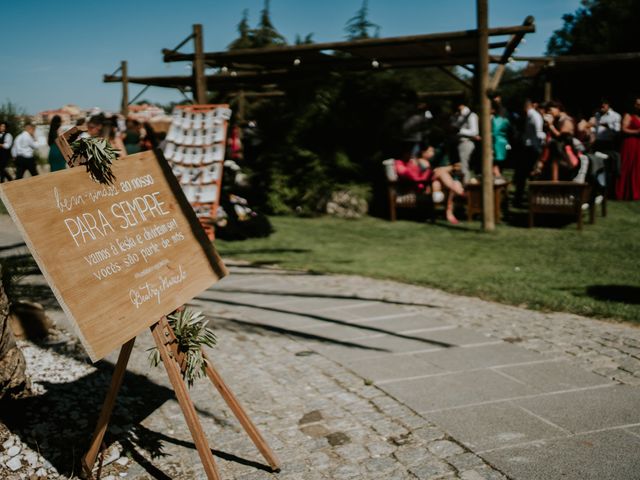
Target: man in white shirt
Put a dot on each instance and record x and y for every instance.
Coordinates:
(606, 126)
(465, 124)
(534, 139)
(6, 140)
(24, 149)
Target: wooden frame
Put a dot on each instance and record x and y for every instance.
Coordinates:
(174, 362)
(560, 198)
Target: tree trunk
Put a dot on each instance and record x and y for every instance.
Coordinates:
(13, 379)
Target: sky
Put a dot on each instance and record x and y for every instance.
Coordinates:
(55, 52)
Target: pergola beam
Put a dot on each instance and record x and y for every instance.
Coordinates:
(172, 56)
(511, 46)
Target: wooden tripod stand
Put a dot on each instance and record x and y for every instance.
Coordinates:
(174, 362)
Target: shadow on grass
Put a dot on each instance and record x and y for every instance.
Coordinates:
(224, 251)
(366, 328)
(615, 293)
(520, 219)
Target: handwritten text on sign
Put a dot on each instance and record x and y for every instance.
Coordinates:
(118, 257)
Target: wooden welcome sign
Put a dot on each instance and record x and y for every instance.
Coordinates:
(119, 258)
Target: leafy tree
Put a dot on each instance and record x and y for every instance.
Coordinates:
(13, 116)
(358, 26)
(266, 35)
(306, 40)
(245, 39)
(598, 26)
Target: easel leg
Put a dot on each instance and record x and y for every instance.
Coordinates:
(107, 407)
(241, 415)
(188, 410)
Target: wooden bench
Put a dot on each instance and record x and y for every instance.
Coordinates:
(560, 198)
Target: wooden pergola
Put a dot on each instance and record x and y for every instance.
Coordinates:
(277, 67)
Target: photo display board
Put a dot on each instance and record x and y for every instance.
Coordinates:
(195, 148)
(117, 257)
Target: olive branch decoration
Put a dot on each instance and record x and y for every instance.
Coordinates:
(97, 155)
(192, 333)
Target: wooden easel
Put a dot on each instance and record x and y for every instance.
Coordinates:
(174, 362)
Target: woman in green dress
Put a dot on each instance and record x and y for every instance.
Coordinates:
(132, 137)
(500, 133)
(56, 160)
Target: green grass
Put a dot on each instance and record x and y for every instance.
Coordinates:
(595, 272)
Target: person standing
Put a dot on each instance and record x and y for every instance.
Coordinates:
(56, 160)
(24, 149)
(500, 133)
(465, 126)
(132, 137)
(6, 140)
(415, 129)
(628, 186)
(533, 138)
(606, 125)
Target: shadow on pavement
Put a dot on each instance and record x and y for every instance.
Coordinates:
(294, 333)
(59, 423)
(366, 328)
(323, 295)
(148, 439)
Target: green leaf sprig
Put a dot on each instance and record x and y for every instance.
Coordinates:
(98, 156)
(192, 334)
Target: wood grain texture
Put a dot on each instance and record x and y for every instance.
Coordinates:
(86, 237)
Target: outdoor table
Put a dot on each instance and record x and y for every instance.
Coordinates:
(474, 199)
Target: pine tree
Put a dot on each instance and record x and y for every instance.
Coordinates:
(266, 34)
(245, 39)
(358, 26)
(306, 40)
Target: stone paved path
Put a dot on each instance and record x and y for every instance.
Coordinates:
(350, 377)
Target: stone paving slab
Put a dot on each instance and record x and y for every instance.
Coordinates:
(554, 376)
(408, 321)
(455, 337)
(588, 409)
(611, 455)
(495, 425)
(386, 368)
(458, 359)
(456, 390)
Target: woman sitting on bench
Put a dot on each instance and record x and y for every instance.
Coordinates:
(427, 179)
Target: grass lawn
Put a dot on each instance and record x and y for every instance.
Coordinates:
(595, 272)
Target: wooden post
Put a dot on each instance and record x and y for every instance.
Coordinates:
(199, 80)
(547, 90)
(488, 213)
(241, 107)
(161, 334)
(241, 415)
(124, 109)
(89, 459)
